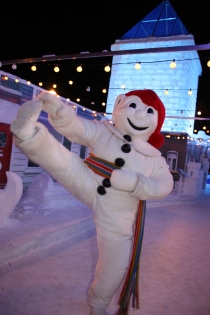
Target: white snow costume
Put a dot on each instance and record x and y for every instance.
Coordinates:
(143, 175)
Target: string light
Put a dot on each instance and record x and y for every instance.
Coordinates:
(70, 82)
(40, 83)
(74, 106)
(33, 68)
(166, 92)
(6, 78)
(16, 80)
(14, 67)
(83, 108)
(190, 92)
(104, 91)
(28, 82)
(78, 99)
(107, 68)
(68, 99)
(208, 63)
(79, 69)
(92, 103)
(138, 66)
(173, 64)
(199, 112)
(56, 69)
(54, 86)
(88, 89)
(103, 104)
(123, 86)
(52, 92)
(204, 127)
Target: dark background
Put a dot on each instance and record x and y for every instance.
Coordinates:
(34, 29)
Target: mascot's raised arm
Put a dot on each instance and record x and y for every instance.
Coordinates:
(123, 171)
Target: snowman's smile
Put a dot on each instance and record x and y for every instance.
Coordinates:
(135, 127)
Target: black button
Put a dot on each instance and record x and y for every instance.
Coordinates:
(106, 182)
(127, 138)
(119, 162)
(101, 190)
(126, 148)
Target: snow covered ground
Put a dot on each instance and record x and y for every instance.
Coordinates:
(49, 252)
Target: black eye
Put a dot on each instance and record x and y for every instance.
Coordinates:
(132, 105)
(150, 111)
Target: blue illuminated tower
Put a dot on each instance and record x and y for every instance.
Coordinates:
(160, 28)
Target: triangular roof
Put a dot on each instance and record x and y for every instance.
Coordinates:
(163, 21)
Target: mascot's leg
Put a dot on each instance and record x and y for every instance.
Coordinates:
(114, 256)
(42, 148)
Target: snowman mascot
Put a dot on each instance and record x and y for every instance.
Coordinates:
(124, 168)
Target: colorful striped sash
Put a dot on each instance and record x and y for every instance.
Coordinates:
(130, 286)
(100, 166)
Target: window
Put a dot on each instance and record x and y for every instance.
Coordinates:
(3, 139)
(82, 152)
(67, 143)
(32, 164)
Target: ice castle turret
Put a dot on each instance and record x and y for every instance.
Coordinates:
(160, 28)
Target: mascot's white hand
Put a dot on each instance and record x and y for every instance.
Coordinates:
(55, 107)
(124, 180)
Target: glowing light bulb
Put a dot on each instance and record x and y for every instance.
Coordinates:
(173, 64)
(52, 92)
(16, 80)
(6, 78)
(204, 127)
(78, 99)
(56, 69)
(70, 82)
(88, 89)
(104, 91)
(68, 99)
(138, 66)
(199, 113)
(14, 67)
(103, 104)
(190, 92)
(166, 92)
(33, 68)
(75, 106)
(40, 83)
(107, 68)
(83, 108)
(54, 86)
(28, 82)
(122, 86)
(208, 63)
(79, 69)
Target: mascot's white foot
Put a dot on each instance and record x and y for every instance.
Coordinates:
(24, 124)
(97, 311)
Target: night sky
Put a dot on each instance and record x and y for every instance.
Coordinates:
(33, 29)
